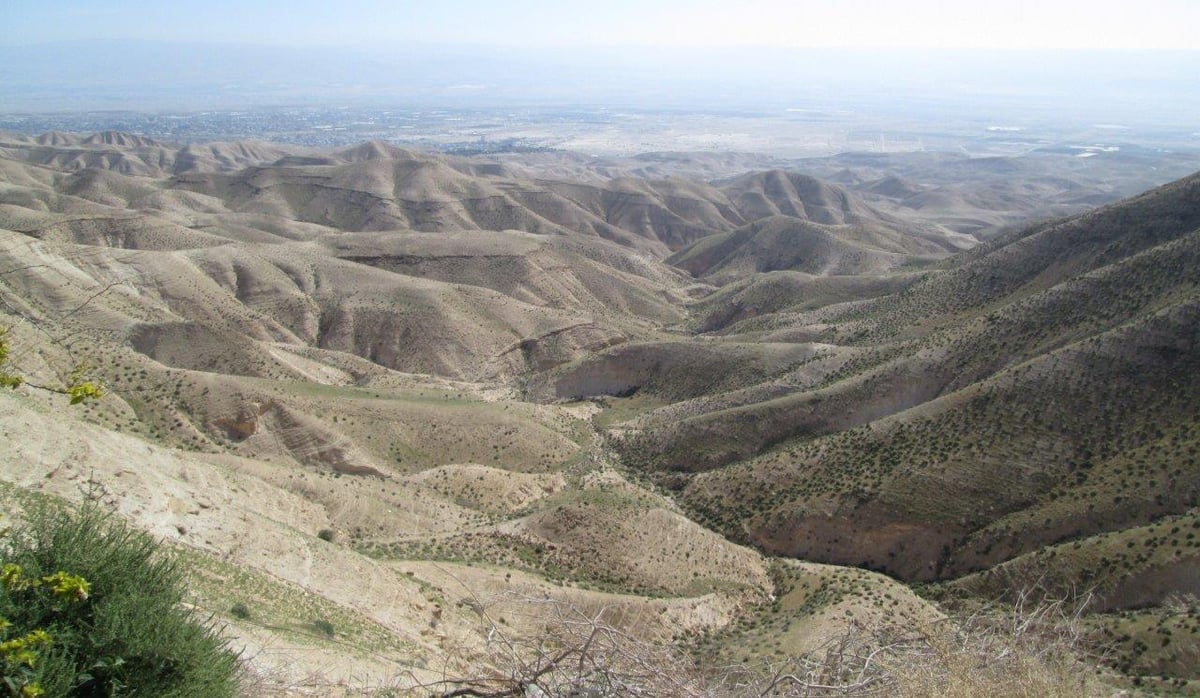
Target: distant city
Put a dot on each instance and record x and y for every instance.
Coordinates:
(607, 131)
(454, 130)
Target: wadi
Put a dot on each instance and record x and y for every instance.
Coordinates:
(414, 423)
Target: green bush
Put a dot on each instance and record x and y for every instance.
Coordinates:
(97, 608)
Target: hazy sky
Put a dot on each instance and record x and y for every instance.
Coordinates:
(1121, 24)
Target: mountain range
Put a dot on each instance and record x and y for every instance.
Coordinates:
(392, 389)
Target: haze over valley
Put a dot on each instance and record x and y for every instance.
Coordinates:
(693, 370)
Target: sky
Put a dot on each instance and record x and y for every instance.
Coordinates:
(987, 24)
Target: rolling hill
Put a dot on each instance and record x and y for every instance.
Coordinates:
(434, 400)
(984, 411)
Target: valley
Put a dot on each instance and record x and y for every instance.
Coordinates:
(415, 421)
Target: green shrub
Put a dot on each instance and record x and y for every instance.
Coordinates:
(100, 607)
(240, 610)
(324, 627)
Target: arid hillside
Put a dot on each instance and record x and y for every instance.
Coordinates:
(432, 401)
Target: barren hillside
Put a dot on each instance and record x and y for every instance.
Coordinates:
(433, 401)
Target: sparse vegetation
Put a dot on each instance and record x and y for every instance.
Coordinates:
(1028, 649)
(549, 415)
(324, 627)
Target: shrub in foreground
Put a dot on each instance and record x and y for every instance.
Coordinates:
(91, 607)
